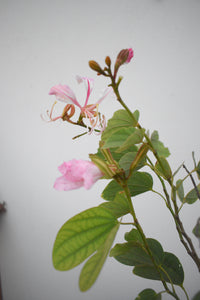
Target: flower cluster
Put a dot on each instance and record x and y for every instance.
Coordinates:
(78, 173)
(90, 112)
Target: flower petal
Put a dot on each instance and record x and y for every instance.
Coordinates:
(64, 93)
(77, 173)
(105, 93)
(89, 82)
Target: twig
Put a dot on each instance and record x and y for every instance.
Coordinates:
(192, 179)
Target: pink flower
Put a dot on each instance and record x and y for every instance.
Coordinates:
(65, 94)
(77, 173)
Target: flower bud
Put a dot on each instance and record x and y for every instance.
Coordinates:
(108, 61)
(124, 56)
(96, 67)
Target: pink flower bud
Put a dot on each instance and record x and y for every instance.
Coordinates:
(124, 56)
(76, 174)
(130, 55)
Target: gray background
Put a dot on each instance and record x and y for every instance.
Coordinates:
(43, 43)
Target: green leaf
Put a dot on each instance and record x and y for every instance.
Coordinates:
(134, 236)
(130, 254)
(158, 145)
(111, 190)
(172, 265)
(135, 137)
(180, 189)
(196, 296)
(119, 137)
(120, 119)
(163, 168)
(119, 206)
(127, 159)
(139, 182)
(198, 170)
(134, 253)
(93, 266)
(191, 197)
(148, 294)
(171, 270)
(81, 236)
(156, 249)
(196, 229)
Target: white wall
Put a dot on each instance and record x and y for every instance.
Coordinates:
(43, 43)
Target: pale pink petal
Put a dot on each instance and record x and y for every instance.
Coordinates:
(77, 173)
(91, 175)
(106, 92)
(64, 93)
(62, 184)
(89, 82)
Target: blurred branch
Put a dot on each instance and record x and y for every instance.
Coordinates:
(192, 179)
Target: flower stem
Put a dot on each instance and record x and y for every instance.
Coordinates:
(140, 230)
(184, 238)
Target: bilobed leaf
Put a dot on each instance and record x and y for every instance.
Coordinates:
(134, 253)
(180, 189)
(148, 294)
(93, 266)
(158, 145)
(133, 236)
(173, 267)
(120, 119)
(126, 160)
(156, 249)
(163, 168)
(119, 137)
(135, 137)
(81, 236)
(111, 190)
(138, 183)
(119, 206)
(171, 270)
(130, 254)
(117, 156)
(192, 196)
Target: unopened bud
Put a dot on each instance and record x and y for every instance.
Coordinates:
(108, 61)
(124, 56)
(96, 67)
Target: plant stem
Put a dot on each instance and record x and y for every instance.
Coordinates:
(140, 230)
(184, 238)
